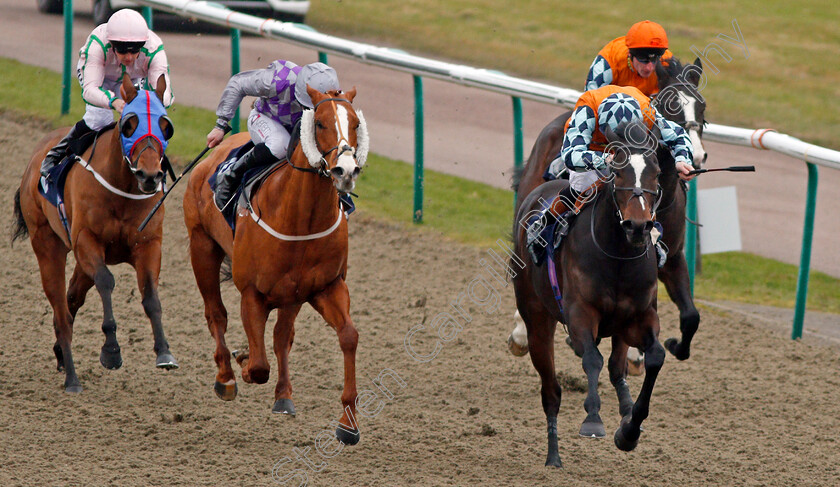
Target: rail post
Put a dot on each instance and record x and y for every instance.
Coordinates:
(68, 53)
(418, 149)
(234, 69)
(517, 138)
(805, 259)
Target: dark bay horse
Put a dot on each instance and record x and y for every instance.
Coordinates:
(606, 273)
(290, 247)
(106, 195)
(679, 100)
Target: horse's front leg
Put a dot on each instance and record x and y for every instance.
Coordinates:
(284, 337)
(583, 331)
(618, 375)
(627, 434)
(146, 262)
(90, 256)
(675, 277)
(333, 303)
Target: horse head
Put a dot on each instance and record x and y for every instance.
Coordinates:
(679, 100)
(145, 131)
(334, 137)
(634, 178)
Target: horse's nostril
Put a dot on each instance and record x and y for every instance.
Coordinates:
(356, 171)
(705, 156)
(648, 226)
(627, 225)
(337, 171)
(159, 176)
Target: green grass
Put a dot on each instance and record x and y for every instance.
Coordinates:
(466, 211)
(788, 82)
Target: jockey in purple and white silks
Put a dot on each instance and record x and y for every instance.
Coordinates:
(281, 88)
(122, 45)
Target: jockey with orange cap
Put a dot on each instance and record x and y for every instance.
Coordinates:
(122, 45)
(631, 60)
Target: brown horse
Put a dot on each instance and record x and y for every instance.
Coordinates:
(680, 102)
(606, 272)
(290, 247)
(104, 205)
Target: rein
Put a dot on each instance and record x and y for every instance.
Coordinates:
(323, 169)
(104, 182)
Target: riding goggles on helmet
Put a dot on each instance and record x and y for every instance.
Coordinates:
(645, 56)
(125, 47)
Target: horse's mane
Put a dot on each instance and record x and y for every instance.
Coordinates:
(673, 68)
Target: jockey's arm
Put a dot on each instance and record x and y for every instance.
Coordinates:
(600, 74)
(677, 141)
(257, 82)
(92, 76)
(159, 66)
(575, 153)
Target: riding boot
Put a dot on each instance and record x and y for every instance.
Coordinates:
(57, 153)
(228, 182)
(538, 233)
(346, 203)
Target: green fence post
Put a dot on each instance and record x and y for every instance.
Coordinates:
(68, 53)
(147, 14)
(322, 58)
(691, 232)
(418, 149)
(518, 149)
(805, 259)
(234, 69)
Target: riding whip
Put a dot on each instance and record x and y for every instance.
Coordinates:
(166, 193)
(731, 168)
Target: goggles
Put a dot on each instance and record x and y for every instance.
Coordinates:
(122, 47)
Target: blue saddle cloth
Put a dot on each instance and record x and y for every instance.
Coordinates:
(52, 187)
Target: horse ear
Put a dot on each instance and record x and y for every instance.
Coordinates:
(698, 64)
(350, 94)
(160, 89)
(694, 71)
(315, 95)
(127, 89)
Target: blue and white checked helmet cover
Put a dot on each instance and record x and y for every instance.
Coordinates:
(618, 108)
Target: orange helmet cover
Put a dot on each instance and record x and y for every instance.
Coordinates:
(646, 34)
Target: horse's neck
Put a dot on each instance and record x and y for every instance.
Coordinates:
(300, 196)
(106, 157)
(606, 227)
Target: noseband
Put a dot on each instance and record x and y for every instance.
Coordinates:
(637, 193)
(132, 165)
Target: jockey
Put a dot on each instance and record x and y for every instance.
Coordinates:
(281, 88)
(584, 142)
(631, 60)
(122, 45)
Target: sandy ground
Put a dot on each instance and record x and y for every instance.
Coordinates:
(750, 408)
(468, 132)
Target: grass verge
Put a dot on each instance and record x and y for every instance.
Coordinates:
(466, 211)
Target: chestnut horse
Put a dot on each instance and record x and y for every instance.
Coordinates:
(106, 195)
(605, 271)
(290, 247)
(679, 101)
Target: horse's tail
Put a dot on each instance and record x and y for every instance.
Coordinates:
(19, 226)
(226, 270)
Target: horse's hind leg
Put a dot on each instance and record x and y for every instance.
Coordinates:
(627, 435)
(618, 376)
(675, 277)
(90, 257)
(206, 257)
(333, 303)
(541, 327)
(146, 261)
(52, 257)
(80, 284)
(284, 336)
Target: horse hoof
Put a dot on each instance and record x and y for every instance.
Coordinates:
(111, 360)
(636, 367)
(515, 348)
(226, 392)
(75, 389)
(592, 429)
(623, 441)
(673, 346)
(284, 406)
(553, 461)
(348, 437)
(166, 361)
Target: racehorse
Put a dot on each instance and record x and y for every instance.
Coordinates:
(290, 247)
(605, 281)
(107, 193)
(678, 100)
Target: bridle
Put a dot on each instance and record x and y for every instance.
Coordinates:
(323, 168)
(132, 165)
